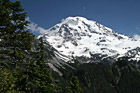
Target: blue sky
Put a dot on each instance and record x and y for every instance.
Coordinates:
(123, 16)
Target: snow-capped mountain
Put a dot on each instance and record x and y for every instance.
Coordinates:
(133, 54)
(79, 37)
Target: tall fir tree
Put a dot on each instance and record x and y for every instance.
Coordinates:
(30, 71)
(38, 78)
(13, 32)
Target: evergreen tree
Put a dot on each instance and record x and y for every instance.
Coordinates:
(42, 74)
(15, 40)
(30, 72)
(36, 76)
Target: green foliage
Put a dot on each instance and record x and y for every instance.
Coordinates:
(15, 40)
(12, 17)
(35, 75)
(27, 69)
(74, 85)
(120, 77)
(7, 81)
(96, 78)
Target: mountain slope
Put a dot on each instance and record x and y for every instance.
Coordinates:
(79, 37)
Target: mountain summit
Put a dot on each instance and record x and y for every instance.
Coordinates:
(79, 37)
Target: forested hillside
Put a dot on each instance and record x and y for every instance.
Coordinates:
(120, 77)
